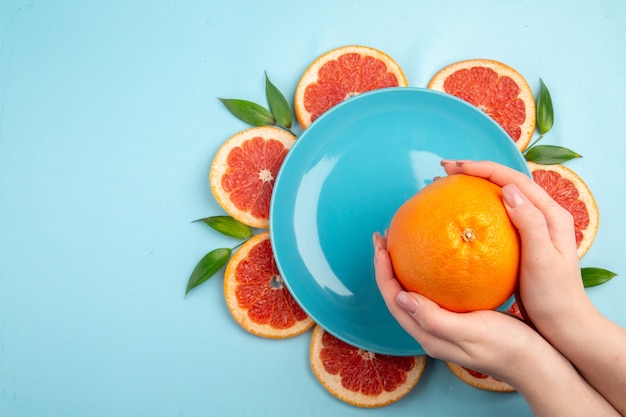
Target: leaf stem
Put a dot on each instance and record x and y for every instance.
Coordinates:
(287, 129)
(533, 144)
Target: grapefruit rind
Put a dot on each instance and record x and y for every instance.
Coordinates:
(487, 383)
(219, 168)
(526, 94)
(585, 195)
(241, 314)
(310, 75)
(332, 383)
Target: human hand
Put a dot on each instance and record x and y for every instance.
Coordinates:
(494, 343)
(486, 341)
(550, 287)
(551, 296)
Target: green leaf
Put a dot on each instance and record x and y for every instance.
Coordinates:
(207, 267)
(278, 104)
(550, 154)
(545, 112)
(595, 276)
(228, 226)
(249, 112)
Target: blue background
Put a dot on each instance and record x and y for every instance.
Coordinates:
(109, 120)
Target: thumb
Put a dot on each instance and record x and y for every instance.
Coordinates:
(433, 320)
(528, 219)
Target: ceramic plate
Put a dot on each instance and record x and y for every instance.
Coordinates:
(344, 179)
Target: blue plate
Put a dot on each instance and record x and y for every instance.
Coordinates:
(343, 180)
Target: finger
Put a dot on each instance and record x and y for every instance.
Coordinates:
(433, 319)
(442, 334)
(379, 241)
(538, 236)
(558, 220)
(387, 283)
(530, 223)
(492, 171)
(500, 175)
(390, 289)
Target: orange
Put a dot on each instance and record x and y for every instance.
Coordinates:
(256, 294)
(244, 170)
(360, 377)
(478, 379)
(454, 243)
(340, 74)
(571, 192)
(497, 89)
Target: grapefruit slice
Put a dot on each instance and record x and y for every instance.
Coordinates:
(244, 170)
(478, 379)
(342, 73)
(256, 294)
(360, 377)
(497, 89)
(571, 192)
(514, 310)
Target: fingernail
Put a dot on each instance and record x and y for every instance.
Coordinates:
(407, 302)
(376, 247)
(512, 195)
(458, 163)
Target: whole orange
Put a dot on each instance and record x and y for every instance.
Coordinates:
(454, 243)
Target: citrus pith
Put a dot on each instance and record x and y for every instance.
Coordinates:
(244, 170)
(454, 243)
(341, 73)
(496, 88)
(359, 377)
(256, 295)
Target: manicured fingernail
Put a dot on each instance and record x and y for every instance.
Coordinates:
(512, 195)
(458, 163)
(407, 302)
(376, 248)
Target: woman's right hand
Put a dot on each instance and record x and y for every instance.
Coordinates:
(550, 286)
(551, 290)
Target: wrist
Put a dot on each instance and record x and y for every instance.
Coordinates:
(572, 326)
(552, 386)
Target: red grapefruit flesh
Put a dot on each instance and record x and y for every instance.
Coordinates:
(244, 170)
(342, 73)
(257, 296)
(497, 89)
(571, 192)
(360, 377)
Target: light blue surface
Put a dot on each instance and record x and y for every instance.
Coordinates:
(345, 177)
(109, 120)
